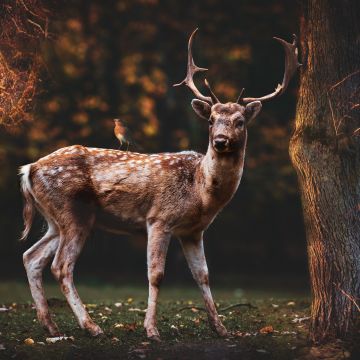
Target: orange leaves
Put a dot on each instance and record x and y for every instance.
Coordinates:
(147, 109)
(17, 89)
(127, 326)
(267, 330)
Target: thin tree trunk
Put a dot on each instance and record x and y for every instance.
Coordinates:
(325, 152)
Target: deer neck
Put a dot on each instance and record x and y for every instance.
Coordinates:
(220, 175)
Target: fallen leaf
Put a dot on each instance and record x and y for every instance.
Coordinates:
(130, 326)
(288, 333)
(299, 319)
(267, 330)
(263, 351)
(118, 304)
(137, 310)
(115, 339)
(3, 309)
(238, 333)
(53, 340)
(91, 305)
(29, 341)
(117, 326)
(194, 310)
(291, 303)
(275, 306)
(2, 347)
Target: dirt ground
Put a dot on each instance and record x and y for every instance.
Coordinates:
(261, 326)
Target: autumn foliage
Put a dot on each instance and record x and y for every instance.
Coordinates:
(24, 26)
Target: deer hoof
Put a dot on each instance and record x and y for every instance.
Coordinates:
(153, 334)
(94, 330)
(154, 338)
(220, 329)
(53, 330)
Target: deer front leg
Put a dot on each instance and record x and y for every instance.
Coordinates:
(158, 243)
(193, 248)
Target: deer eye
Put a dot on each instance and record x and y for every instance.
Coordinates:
(240, 123)
(211, 121)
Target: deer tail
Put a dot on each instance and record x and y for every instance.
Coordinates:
(29, 207)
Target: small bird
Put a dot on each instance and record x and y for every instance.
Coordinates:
(123, 134)
(120, 131)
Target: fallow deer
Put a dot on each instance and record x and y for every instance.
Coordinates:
(162, 195)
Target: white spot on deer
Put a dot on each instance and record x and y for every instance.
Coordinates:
(157, 161)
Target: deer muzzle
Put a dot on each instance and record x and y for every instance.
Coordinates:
(221, 143)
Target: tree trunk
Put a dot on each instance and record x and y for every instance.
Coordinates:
(325, 152)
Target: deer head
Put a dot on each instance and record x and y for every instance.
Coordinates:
(228, 121)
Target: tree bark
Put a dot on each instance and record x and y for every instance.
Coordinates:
(324, 150)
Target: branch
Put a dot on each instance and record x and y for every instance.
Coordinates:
(248, 305)
(344, 79)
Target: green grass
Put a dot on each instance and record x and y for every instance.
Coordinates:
(184, 331)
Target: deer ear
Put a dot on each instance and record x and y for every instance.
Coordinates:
(251, 110)
(202, 108)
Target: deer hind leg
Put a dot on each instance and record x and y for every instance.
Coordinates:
(35, 259)
(158, 242)
(193, 248)
(72, 240)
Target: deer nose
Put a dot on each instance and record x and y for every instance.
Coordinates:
(221, 143)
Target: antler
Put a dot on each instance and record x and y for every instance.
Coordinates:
(291, 65)
(192, 69)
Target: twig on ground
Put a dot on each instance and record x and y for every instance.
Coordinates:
(199, 308)
(250, 306)
(192, 307)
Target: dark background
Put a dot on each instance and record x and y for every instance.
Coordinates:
(118, 59)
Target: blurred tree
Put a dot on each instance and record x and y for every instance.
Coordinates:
(325, 150)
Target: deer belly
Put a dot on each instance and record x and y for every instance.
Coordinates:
(120, 223)
(195, 223)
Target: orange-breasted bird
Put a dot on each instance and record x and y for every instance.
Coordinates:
(119, 131)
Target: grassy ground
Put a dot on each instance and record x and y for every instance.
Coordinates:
(274, 326)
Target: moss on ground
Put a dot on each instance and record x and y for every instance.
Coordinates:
(271, 328)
